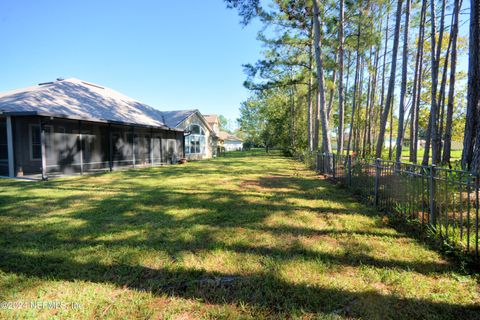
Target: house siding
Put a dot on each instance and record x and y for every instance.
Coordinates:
(233, 145)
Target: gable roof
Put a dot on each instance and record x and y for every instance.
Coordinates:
(211, 118)
(77, 99)
(175, 117)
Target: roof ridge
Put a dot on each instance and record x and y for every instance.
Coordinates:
(74, 97)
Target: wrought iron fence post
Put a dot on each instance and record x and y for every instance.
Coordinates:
(377, 180)
(349, 170)
(432, 218)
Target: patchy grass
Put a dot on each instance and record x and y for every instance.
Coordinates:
(245, 236)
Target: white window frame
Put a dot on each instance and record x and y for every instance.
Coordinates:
(196, 137)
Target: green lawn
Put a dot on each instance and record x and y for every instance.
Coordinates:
(455, 155)
(245, 236)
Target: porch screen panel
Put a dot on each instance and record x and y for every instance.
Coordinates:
(121, 139)
(156, 148)
(62, 146)
(142, 146)
(180, 147)
(163, 149)
(95, 146)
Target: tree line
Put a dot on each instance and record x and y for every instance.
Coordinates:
(374, 78)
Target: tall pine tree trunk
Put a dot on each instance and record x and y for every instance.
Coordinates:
(390, 148)
(372, 99)
(332, 91)
(441, 95)
(326, 146)
(474, 83)
(443, 85)
(432, 139)
(403, 88)
(355, 89)
(359, 107)
(473, 86)
(417, 84)
(367, 106)
(451, 86)
(341, 108)
(391, 82)
(385, 50)
(310, 100)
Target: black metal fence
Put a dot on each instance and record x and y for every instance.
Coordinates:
(445, 200)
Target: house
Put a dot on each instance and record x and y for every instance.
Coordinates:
(73, 126)
(214, 122)
(200, 138)
(225, 140)
(230, 141)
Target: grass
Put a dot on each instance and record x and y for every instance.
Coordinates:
(245, 236)
(455, 155)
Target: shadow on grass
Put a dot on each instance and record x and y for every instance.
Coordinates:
(265, 291)
(128, 204)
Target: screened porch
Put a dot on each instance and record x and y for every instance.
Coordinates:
(44, 147)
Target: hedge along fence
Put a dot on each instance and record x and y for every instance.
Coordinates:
(445, 200)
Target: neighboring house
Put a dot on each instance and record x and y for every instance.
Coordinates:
(230, 141)
(214, 122)
(72, 126)
(200, 139)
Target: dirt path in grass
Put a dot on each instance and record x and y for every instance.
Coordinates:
(245, 236)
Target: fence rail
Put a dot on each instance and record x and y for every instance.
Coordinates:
(445, 200)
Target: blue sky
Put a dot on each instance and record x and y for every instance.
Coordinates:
(169, 54)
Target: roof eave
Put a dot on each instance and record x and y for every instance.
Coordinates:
(62, 116)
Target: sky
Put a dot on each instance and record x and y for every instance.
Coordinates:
(168, 54)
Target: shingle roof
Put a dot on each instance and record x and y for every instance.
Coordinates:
(227, 136)
(211, 118)
(77, 99)
(175, 117)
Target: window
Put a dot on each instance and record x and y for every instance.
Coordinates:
(3, 141)
(195, 142)
(35, 142)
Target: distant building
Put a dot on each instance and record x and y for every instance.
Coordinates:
(225, 141)
(217, 143)
(230, 141)
(214, 122)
